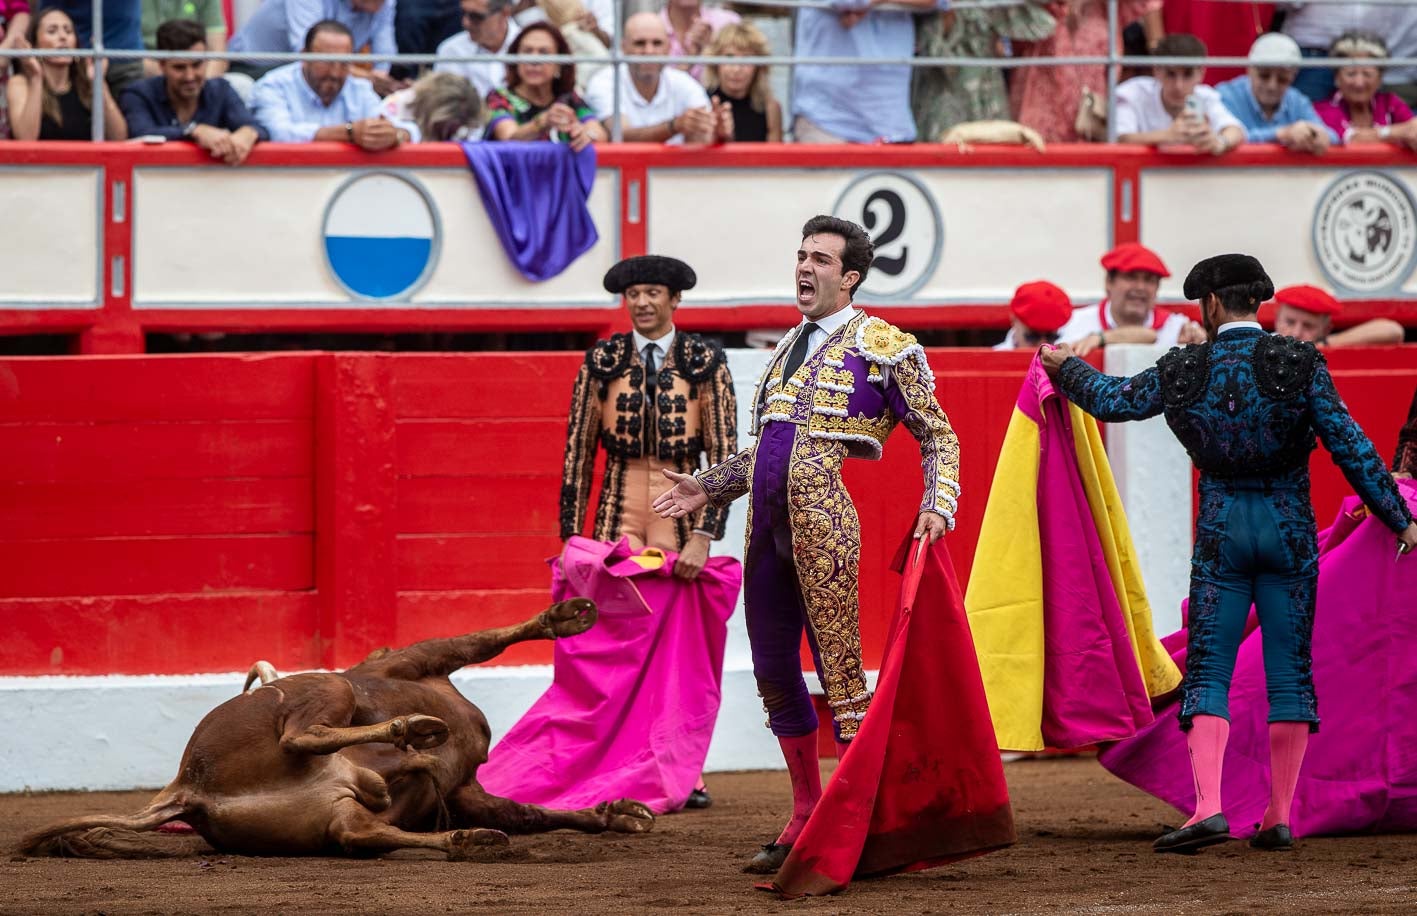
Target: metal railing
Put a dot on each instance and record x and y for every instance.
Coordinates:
(615, 57)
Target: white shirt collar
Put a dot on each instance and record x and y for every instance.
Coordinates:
(1236, 325)
(835, 320)
(663, 343)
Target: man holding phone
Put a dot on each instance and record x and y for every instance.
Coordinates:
(1173, 108)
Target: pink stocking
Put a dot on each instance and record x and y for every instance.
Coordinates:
(1287, 742)
(1206, 743)
(804, 768)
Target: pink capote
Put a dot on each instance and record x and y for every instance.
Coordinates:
(633, 700)
(1093, 689)
(1360, 773)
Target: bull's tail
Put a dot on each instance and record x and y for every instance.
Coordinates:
(262, 671)
(106, 836)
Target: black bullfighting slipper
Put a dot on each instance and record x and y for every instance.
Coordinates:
(1189, 840)
(699, 798)
(1276, 838)
(769, 859)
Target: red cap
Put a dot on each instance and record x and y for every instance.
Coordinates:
(1309, 298)
(1134, 256)
(1041, 306)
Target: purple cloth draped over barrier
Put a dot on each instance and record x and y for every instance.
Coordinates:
(1360, 773)
(535, 195)
(633, 700)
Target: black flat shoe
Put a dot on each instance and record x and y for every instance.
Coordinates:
(1276, 838)
(769, 859)
(1189, 840)
(699, 798)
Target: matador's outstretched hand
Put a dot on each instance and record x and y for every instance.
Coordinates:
(686, 496)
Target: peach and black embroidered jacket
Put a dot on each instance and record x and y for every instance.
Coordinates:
(692, 414)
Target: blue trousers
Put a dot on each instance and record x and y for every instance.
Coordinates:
(1255, 545)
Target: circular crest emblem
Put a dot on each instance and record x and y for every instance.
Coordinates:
(1365, 232)
(381, 235)
(904, 221)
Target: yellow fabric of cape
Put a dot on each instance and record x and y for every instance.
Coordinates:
(1004, 600)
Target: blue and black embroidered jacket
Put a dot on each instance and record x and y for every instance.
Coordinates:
(1247, 407)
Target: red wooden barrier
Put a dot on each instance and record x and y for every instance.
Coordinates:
(191, 514)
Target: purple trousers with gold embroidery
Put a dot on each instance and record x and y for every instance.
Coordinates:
(797, 479)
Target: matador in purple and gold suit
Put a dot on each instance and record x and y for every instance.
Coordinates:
(804, 538)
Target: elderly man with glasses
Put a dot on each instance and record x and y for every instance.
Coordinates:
(489, 30)
(1266, 103)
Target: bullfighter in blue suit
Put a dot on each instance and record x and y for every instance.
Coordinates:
(1247, 406)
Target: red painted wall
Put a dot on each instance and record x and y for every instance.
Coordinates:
(194, 513)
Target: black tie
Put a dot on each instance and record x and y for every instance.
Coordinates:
(651, 387)
(798, 353)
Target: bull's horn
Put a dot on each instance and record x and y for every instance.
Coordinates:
(262, 671)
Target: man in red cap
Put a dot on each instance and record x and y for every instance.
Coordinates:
(1129, 314)
(1306, 313)
(1038, 310)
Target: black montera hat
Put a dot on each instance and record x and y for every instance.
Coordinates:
(650, 268)
(1227, 270)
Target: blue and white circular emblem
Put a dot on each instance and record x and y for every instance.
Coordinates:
(381, 235)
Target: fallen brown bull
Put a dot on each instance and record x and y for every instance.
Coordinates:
(380, 757)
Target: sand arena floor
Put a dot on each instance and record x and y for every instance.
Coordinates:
(1084, 847)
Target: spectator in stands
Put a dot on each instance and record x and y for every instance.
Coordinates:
(14, 22)
(444, 106)
(1358, 112)
(692, 27)
(1036, 313)
(1316, 26)
(52, 98)
(746, 88)
(1173, 108)
(1268, 106)
(420, 26)
(1228, 29)
(1130, 314)
(122, 31)
(855, 104)
(1047, 98)
(941, 97)
(657, 103)
(539, 101)
(320, 100)
(489, 30)
(281, 25)
(182, 104)
(586, 29)
(207, 12)
(1306, 312)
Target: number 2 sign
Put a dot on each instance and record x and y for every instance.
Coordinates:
(903, 220)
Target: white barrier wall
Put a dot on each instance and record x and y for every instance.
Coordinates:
(268, 238)
(53, 237)
(943, 235)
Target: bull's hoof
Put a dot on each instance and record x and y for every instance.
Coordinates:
(472, 844)
(420, 732)
(569, 618)
(629, 816)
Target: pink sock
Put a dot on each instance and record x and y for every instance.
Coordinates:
(841, 747)
(1287, 742)
(700, 785)
(1206, 743)
(804, 768)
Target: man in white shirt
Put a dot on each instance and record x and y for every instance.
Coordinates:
(1129, 314)
(658, 104)
(1173, 108)
(489, 30)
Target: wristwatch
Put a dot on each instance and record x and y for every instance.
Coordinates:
(349, 130)
(189, 128)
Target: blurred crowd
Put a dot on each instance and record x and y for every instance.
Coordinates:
(226, 108)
